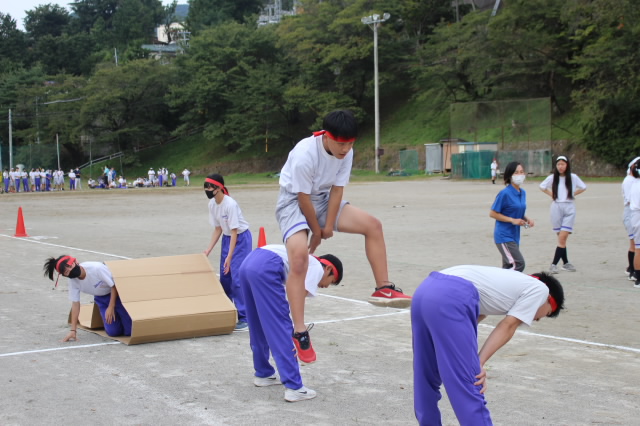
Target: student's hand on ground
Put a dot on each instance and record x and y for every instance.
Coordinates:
(227, 266)
(72, 335)
(482, 380)
(110, 314)
(327, 233)
(314, 242)
(206, 252)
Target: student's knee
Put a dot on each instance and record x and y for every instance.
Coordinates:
(373, 226)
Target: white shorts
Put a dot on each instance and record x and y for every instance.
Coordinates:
(635, 225)
(563, 216)
(626, 221)
(291, 219)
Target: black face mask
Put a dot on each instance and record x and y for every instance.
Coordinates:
(75, 272)
(211, 194)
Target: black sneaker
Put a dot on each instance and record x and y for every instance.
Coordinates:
(637, 284)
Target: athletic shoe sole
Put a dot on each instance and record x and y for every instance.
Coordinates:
(390, 303)
(295, 396)
(262, 382)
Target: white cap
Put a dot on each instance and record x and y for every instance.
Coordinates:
(563, 158)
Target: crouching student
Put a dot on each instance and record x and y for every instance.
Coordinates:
(91, 278)
(445, 313)
(262, 278)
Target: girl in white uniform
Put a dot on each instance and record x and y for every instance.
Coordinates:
(562, 186)
(226, 218)
(627, 183)
(96, 279)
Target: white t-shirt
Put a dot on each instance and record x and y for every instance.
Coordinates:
(311, 170)
(627, 183)
(494, 166)
(634, 195)
(227, 215)
(315, 271)
(186, 173)
(71, 175)
(576, 183)
(504, 291)
(97, 282)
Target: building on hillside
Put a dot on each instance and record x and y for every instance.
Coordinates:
(273, 12)
(168, 44)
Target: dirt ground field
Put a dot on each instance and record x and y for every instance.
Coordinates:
(581, 368)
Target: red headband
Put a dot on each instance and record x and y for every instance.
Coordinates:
(216, 183)
(550, 299)
(68, 260)
(63, 259)
(337, 139)
(333, 267)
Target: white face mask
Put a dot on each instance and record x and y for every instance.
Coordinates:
(518, 179)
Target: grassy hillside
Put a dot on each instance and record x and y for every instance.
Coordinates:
(405, 124)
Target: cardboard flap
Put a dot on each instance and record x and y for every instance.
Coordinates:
(171, 308)
(89, 317)
(154, 266)
(134, 289)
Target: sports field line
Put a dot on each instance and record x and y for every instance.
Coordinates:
(35, 351)
(528, 333)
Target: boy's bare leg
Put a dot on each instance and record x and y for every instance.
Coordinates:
(353, 220)
(298, 254)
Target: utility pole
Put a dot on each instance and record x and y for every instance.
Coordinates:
(373, 22)
(10, 143)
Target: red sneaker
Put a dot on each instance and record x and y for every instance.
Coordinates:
(390, 296)
(302, 342)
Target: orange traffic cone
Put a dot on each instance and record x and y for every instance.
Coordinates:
(262, 238)
(20, 230)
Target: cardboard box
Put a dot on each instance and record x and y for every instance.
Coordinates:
(168, 298)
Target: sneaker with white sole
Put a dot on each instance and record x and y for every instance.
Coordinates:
(266, 381)
(553, 269)
(631, 277)
(294, 395)
(568, 267)
(241, 326)
(390, 296)
(637, 284)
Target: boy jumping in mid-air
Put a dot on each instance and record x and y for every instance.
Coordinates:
(262, 276)
(310, 208)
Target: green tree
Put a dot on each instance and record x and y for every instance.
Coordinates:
(207, 13)
(233, 79)
(13, 43)
(124, 106)
(48, 19)
(607, 76)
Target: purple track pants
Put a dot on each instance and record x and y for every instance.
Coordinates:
(262, 278)
(444, 317)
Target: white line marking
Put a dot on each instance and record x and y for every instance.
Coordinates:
(59, 349)
(61, 246)
(362, 317)
(344, 298)
(571, 340)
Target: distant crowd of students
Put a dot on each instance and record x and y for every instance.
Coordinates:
(41, 180)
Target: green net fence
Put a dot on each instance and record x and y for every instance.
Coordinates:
(477, 165)
(409, 161)
(514, 124)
